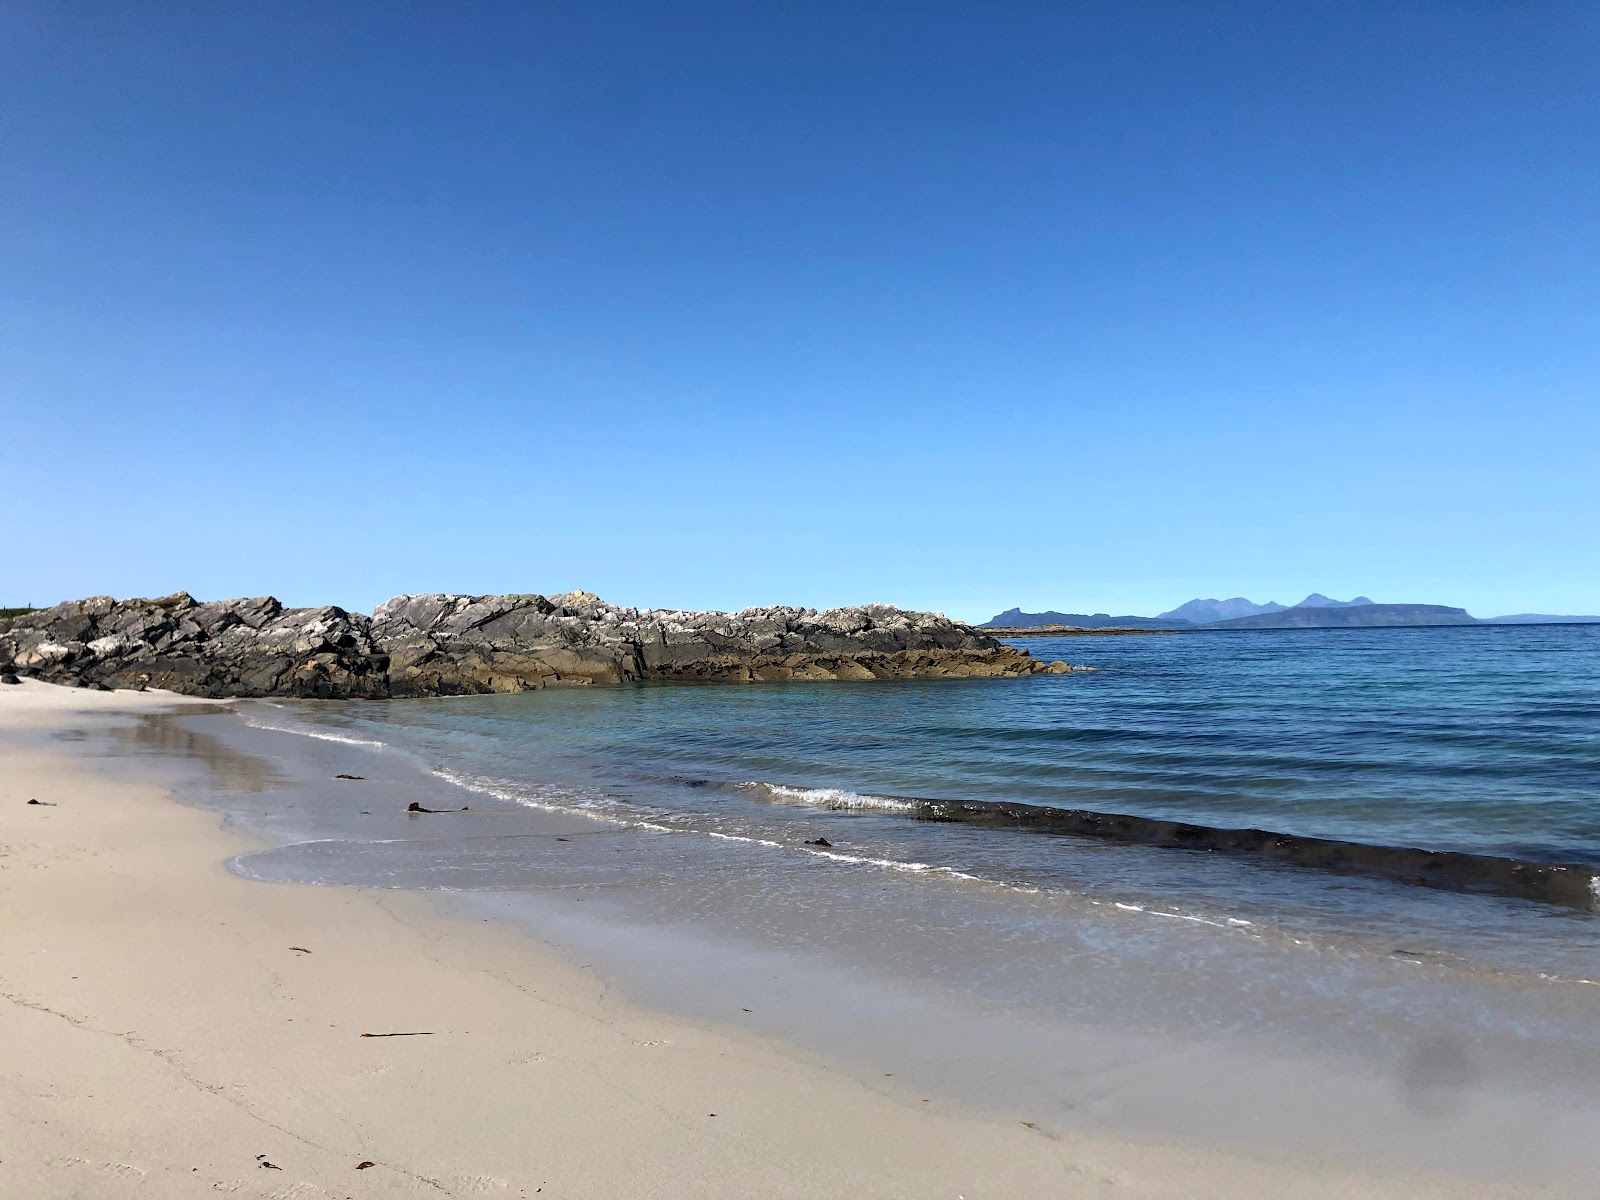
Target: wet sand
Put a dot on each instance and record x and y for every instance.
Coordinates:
(171, 1030)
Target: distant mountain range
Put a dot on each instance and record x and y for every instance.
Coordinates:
(1199, 612)
(1316, 611)
(1207, 612)
(1344, 616)
(1015, 618)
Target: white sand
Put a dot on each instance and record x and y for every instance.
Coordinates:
(159, 1034)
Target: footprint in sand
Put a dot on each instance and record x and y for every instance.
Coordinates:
(115, 1170)
(299, 1191)
(480, 1183)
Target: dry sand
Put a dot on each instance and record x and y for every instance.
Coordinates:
(168, 1030)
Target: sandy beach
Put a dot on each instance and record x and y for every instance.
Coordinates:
(172, 1030)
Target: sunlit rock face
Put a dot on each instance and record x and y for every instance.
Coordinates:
(429, 645)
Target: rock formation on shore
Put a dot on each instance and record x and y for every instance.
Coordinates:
(454, 645)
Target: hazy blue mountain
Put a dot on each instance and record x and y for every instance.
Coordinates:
(1316, 611)
(1318, 600)
(1015, 618)
(1340, 616)
(1202, 611)
(1541, 619)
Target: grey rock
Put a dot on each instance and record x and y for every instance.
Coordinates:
(430, 645)
(449, 644)
(229, 648)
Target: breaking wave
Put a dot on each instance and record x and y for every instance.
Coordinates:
(830, 799)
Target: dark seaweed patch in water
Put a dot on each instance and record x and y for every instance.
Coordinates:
(1551, 883)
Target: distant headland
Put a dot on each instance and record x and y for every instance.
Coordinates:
(1316, 611)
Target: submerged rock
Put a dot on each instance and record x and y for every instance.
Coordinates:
(430, 645)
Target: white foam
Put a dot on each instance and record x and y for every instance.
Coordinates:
(320, 734)
(574, 806)
(487, 788)
(1226, 923)
(892, 864)
(832, 799)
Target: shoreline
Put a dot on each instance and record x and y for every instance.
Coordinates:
(175, 1032)
(1042, 631)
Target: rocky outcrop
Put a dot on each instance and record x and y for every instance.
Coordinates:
(225, 648)
(450, 645)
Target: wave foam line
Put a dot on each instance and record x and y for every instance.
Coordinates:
(483, 787)
(486, 787)
(832, 799)
(1231, 923)
(586, 808)
(320, 735)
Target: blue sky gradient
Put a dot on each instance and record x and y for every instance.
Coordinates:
(958, 306)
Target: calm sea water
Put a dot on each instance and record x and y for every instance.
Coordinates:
(671, 832)
(1480, 739)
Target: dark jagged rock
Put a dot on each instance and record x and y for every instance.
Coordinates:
(8, 677)
(449, 645)
(226, 648)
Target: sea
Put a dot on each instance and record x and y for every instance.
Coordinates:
(760, 855)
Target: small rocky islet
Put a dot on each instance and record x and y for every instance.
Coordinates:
(440, 645)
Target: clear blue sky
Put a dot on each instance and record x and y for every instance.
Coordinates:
(1092, 306)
